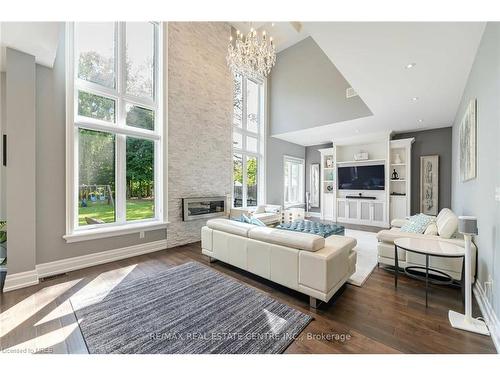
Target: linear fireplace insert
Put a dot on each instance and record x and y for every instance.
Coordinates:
(203, 208)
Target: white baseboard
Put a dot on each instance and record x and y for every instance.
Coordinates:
(20, 280)
(488, 314)
(84, 261)
(24, 279)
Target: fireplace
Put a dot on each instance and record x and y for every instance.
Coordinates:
(203, 208)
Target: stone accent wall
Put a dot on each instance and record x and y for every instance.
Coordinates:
(199, 120)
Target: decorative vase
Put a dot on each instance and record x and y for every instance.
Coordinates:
(397, 159)
(395, 175)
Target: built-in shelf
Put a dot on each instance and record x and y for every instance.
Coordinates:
(398, 164)
(370, 161)
(328, 168)
(400, 180)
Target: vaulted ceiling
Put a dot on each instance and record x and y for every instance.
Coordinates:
(375, 58)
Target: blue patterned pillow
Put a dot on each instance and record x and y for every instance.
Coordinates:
(243, 219)
(417, 223)
(256, 221)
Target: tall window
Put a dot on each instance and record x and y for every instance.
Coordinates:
(248, 142)
(115, 123)
(294, 180)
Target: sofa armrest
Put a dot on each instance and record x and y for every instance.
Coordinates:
(398, 223)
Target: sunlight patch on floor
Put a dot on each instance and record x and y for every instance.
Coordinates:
(275, 322)
(96, 290)
(31, 305)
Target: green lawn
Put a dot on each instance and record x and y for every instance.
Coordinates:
(137, 209)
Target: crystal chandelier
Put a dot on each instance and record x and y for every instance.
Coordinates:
(252, 55)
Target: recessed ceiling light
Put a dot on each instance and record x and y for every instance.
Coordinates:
(410, 65)
(414, 99)
(420, 120)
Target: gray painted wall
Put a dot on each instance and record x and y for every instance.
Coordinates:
(430, 142)
(276, 149)
(305, 78)
(200, 120)
(313, 156)
(477, 197)
(21, 162)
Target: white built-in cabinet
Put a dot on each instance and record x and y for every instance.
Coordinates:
(370, 207)
(328, 184)
(400, 188)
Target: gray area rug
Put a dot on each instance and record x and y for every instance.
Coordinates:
(187, 309)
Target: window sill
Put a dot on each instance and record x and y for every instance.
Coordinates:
(94, 234)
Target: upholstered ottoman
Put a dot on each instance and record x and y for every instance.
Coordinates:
(313, 227)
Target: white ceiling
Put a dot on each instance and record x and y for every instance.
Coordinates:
(373, 58)
(39, 39)
(285, 34)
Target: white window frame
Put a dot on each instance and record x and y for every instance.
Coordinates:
(301, 162)
(74, 122)
(261, 144)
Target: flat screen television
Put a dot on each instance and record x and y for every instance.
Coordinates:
(368, 177)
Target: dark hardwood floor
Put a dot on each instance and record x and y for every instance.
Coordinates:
(375, 318)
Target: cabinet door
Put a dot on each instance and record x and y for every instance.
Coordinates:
(341, 209)
(378, 212)
(353, 209)
(365, 211)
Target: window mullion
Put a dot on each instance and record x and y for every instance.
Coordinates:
(121, 179)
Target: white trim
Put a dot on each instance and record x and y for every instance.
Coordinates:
(20, 280)
(120, 129)
(29, 278)
(112, 231)
(489, 315)
(302, 182)
(84, 261)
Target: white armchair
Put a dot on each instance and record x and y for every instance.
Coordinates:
(268, 213)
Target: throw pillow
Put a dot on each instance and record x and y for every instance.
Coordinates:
(417, 224)
(242, 219)
(257, 222)
(432, 229)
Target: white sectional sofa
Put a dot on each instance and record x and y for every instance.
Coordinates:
(444, 229)
(308, 263)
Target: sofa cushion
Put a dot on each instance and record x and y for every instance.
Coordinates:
(432, 229)
(260, 209)
(301, 241)
(447, 223)
(230, 226)
(389, 235)
(417, 223)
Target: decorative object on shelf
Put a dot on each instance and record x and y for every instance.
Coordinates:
(429, 184)
(329, 188)
(467, 225)
(395, 175)
(361, 156)
(397, 159)
(329, 162)
(329, 175)
(468, 143)
(252, 55)
(395, 194)
(314, 185)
